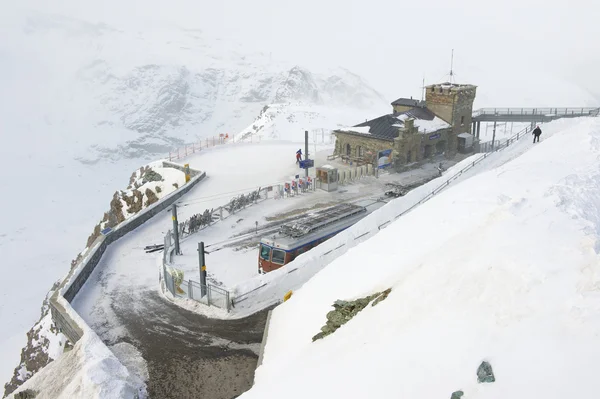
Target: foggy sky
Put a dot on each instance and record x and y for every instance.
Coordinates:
(392, 44)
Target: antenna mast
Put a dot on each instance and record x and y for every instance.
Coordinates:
(423, 89)
(452, 67)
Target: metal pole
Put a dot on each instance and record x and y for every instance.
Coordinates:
(494, 136)
(202, 269)
(175, 229)
(306, 148)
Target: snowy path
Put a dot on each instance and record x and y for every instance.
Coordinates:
(187, 354)
(121, 300)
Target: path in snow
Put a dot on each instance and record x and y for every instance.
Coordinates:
(187, 354)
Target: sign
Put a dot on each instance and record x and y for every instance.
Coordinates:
(307, 163)
(384, 159)
(187, 172)
(435, 136)
(106, 231)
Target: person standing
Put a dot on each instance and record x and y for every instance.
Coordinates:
(299, 156)
(536, 134)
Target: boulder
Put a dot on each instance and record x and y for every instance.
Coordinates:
(485, 373)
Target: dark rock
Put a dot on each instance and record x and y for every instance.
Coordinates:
(457, 395)
(150, 175)
(345, 311)
(485, 373)
(382, 297)
(318, 336)
(26, 394)
(151, 197)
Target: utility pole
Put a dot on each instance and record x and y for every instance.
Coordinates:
(175, 229)
(494, 136)
(306, 148)
(202, 264)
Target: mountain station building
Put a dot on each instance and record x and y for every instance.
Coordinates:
(415, 130)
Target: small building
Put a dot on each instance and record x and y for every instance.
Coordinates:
(404, 104)
(415, 130)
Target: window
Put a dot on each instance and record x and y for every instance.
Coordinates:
(278, 256)
(265, 252)
(360, 152)
(433, 89)
(348, 150)
(462, 120)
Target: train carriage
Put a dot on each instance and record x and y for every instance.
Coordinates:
(305, 233)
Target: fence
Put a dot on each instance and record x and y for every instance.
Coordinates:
(349, 175)
(568, 111)
(202, 220)
(458, 174)
(208, 294)
(190, 149)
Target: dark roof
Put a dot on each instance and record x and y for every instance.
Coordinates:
(409, 102)
(386, 127)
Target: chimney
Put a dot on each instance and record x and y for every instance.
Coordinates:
(409, 125)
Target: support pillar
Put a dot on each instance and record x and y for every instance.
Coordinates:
(494, 136)
(175, 228)
(306, 150)
(202, 264)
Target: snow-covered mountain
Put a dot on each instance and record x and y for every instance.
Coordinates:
(83, 104)
(143, 93)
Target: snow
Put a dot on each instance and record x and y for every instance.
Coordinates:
(89, 370)
(356, 129)
(290, 121)
(426, 126)
(509, 276)
(69, 146)
(108, 99)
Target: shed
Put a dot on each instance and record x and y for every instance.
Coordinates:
(327, 178)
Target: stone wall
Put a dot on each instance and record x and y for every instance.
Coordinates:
(411, 146)
(368, 144)
(453, 104)
(78, 276)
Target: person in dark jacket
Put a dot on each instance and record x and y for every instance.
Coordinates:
(299, 156)
(536, 134)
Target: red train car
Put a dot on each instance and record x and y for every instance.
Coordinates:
(307, 232)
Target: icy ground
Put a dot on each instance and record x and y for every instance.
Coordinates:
(501, 267)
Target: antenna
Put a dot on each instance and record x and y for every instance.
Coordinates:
(452, 67)
(423, 89)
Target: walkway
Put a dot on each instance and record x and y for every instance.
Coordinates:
(528, 115)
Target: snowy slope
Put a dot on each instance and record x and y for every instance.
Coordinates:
(501, 267)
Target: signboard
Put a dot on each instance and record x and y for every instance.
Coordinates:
(106, 231)
(307, 163)
(384, 159)
(435, 136)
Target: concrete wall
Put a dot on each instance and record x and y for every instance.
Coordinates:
(169, 164)
(77, 277)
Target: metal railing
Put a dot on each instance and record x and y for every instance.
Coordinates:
(458, 174)
(193, 148)
(552, 111)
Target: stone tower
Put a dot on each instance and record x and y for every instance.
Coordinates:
(453, 103)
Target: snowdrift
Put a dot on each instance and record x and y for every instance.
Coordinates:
(502, 267)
